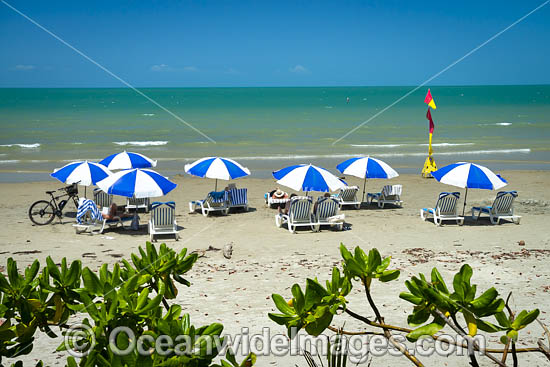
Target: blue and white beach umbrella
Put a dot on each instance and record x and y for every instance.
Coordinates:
(469, 176)
(83, 172)
(127, 160)
(138, 183)
(366, 167)
(307, 177)
(217, 168)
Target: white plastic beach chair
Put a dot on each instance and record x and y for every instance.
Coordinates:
(348, 196)
(238, 198)
(136, 204)
(445, 209)
(299, 214)
(326, 213)
(502, 208)
(163, 219)
(214, 202)
(390, 194)
(102, 199)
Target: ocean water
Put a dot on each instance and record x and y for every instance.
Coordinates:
(502, 127)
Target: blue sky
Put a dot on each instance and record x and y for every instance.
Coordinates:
(278, 43)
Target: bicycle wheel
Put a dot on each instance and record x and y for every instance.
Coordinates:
(41, 213)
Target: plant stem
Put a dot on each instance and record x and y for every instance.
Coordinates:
(387, 332)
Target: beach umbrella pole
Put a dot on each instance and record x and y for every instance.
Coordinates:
(216, 186)
(364, 185)
(465, 197)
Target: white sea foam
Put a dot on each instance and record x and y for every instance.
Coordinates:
(9, 161)
(148, 114)
(497, 124)
(77, 143)
(26, 146)
(141, 143)
(446, 144)
(376, 145)
(382, 155)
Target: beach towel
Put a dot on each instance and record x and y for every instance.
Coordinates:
(218, 196)
(85, 206)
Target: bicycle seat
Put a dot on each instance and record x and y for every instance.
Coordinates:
(50, 192)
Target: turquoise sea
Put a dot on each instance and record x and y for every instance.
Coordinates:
(502, 127)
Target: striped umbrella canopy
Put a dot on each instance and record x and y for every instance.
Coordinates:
(127, 160)
(82, 172)
(469, 176)
(307, 177)
(138, 183)
(217, 168)
(366, 167)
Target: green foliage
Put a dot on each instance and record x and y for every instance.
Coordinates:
(130, 295)
(429, 296)
(315, 309)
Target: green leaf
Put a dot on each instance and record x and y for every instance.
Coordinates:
(503, 320)
(488, 327)
(30, 272)
(281, 319)
(13, 274)
(429, 329)
(485, 299)
(91, 282)
(389, 275)
(525, 318)
(53, 269)
(410, 298)
(282, 305)
(151, 305)
(299, 298)
(438, 282)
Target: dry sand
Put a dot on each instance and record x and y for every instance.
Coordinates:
(267, 259)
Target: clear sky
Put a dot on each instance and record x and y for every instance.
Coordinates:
(275, 43)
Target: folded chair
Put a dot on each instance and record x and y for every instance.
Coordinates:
(102, 199)
(326, 213)
(390, 194)
(348, 196)
(445, 209)
(238, 198)
(299, 214)
(214, 202)
(136, 204)
(163, 219)
(502, 208)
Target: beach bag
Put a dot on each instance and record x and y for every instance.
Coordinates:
(134, 226)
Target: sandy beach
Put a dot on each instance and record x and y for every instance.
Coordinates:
(267, 259)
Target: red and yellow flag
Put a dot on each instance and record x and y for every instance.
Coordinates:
(429, 117)
(429, 100)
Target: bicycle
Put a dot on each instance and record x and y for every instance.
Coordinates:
(43, 212)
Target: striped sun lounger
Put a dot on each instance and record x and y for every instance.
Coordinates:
(299, 214)
(163, 219)
(445, 209)
(502, 208)
(326, 213)
(135, 203)
(214, 201)
(390, 194)
(238, 198)
(348, 196)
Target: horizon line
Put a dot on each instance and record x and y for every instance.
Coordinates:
(288, 86)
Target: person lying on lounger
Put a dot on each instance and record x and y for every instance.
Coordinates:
(113, 212)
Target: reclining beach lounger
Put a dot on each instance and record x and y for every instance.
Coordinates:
(136, 204)
(445, 209)
(348, 196)
(326, 213)
(502, 208)
(214, 202)
(102, 199)
(299, 214)
(390, 194)
(238, 198)
(89, 218)
(272, 202)
(163, 219)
